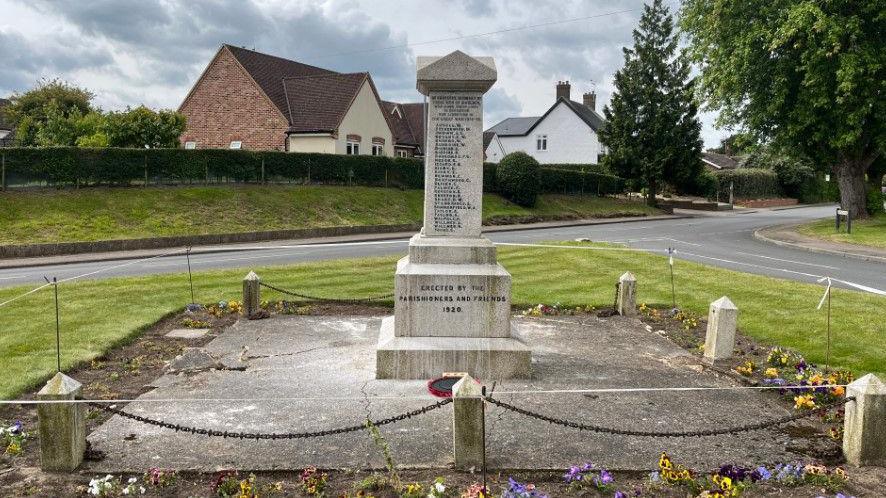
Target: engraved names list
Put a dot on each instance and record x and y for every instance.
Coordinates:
(455, 183)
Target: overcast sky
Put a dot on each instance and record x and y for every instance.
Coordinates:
(151, 51)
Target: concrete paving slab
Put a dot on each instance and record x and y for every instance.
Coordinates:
(315, 373)
(187, 333)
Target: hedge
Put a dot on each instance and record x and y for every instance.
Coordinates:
(60, 166)
(110, 166)
(749, 183)
(563, 181)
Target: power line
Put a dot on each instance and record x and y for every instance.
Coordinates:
(474, 35)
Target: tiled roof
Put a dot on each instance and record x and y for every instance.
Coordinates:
(718, 161)
(522, 126)
(588, 115)
(268, 72)
(514, 126)
(319, 103)
(487, 139)
(408, 124)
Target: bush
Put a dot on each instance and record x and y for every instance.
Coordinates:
(587, 168)
(517, 177)
(749, 183)
(562, 181)
(875, 200)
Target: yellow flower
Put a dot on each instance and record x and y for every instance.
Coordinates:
(816, 379)
(838, 391)
(804, 401)
(664, 462)
(771, 372)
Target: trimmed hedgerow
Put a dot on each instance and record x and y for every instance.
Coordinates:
(562, 181)
(62, 166)
(110, 166)
(517, 178)
(750, 183)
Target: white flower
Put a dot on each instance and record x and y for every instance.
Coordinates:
(439, 487)
(132, 480)
(126, 490)
(142, 489)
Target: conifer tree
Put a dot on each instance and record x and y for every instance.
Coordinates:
(652, 129)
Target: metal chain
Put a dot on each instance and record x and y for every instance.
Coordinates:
(328, 299)
(257, 436)
(696, 433)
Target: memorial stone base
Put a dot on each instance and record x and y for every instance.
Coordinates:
(452, 313)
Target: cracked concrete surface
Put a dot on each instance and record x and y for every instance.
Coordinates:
(313, 373)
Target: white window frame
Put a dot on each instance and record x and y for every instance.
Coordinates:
(402, 153)
(541, 143)
(190, 145)
(236, 145)
(378, 150)
(352, 148)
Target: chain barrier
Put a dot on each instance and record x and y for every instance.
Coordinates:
(274, 436)
(697, 433)
(328, 299)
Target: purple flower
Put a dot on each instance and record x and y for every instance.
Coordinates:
(587, 466)
(16, 428)
(605, 477)
(619, 494)
(574, 474)
(761, 473)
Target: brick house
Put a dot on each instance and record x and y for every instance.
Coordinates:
(250, 100)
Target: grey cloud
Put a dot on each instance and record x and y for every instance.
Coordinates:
(498, 105)
(24, 62)
(479, 8)
(173, 40)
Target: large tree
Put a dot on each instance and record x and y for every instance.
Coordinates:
(652, 131)
(53, 104)
(804, 74)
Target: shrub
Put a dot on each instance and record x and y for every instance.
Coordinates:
(749, 183)
(875, 200)
(517, 177)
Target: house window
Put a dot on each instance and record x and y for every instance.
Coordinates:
(541, 142)
(190, 145)
(352, 148)
(378, 150)
(236, 144)
(402, 153)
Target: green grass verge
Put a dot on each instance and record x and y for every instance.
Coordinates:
(49, 216)
(97, 315)
(869, 232)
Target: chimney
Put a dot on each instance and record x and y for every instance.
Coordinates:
(563, 89)
(590, 100)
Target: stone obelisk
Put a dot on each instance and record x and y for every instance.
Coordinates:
(452, 299)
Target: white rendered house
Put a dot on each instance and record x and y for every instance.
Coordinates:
(565, 134)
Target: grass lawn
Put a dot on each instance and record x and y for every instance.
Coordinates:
(125, 213)
(96, 315)
(869, 232)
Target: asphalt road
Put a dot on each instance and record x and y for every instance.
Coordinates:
(724, 240)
